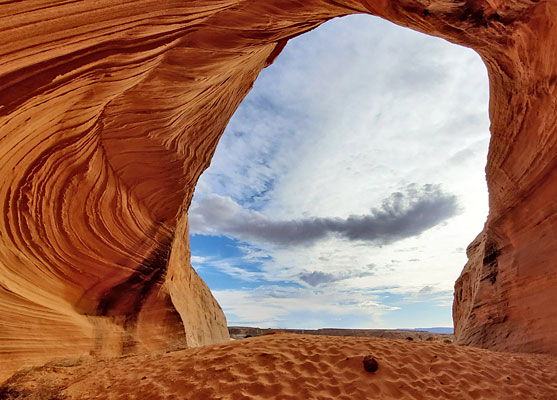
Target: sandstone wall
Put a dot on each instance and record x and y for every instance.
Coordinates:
(110, 111)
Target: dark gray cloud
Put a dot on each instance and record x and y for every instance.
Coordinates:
(402, 215)
(317, 278)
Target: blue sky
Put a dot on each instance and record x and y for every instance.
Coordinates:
(348, 183)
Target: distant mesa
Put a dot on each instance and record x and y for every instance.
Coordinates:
(442, 330)
(243, 332)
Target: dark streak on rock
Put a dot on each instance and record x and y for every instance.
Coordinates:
(476, 17)
(490, 262)
(276, 51)
(127, 299)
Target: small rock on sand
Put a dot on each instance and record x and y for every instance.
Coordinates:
(370, 364)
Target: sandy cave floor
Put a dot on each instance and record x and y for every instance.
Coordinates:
(288, 366)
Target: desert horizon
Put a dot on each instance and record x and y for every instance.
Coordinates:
(241, 332)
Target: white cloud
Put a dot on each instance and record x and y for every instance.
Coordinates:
(228, 266)
(274, 306)
(349, 114)
(198, 259)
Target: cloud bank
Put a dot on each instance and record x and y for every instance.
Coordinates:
(403, 214)
(347, 115)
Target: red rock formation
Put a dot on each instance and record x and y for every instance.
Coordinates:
(505, 299)
(110, 111)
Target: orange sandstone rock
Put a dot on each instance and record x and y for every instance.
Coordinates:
(110, 111)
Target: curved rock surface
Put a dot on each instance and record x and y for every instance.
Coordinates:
(110, 111)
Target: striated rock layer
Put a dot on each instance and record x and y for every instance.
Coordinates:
(110, 111)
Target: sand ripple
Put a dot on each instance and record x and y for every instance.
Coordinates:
(287, 366)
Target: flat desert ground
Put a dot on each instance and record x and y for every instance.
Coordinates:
(290, 366)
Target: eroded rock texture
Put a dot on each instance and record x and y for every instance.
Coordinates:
(110, 111)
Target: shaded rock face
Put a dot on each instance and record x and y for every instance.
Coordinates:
(109, 112)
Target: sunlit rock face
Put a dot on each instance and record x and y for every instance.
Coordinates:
(110, 111)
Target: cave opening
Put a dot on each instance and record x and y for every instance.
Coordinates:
(340, 194)
(349, 182)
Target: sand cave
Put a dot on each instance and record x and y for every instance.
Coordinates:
(110, 112)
